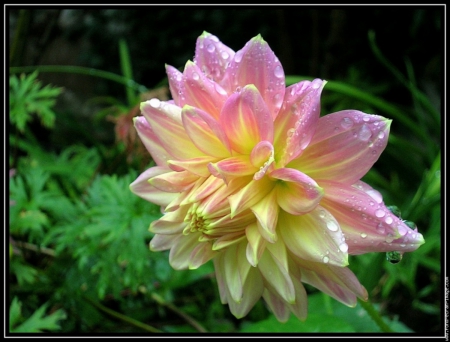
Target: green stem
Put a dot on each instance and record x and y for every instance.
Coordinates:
(122, 317)
(84, 71)
(180, 313)
(375, 315)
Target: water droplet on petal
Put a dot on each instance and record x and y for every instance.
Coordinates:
(321, 214)
(331, 225)
(380, 228)
(366, 118)
(155, 103)
(394, 257)
(380, 213)
(376, 195)
(219, 89)
(225, 55)
(363, 235)
(325, 259)
(346, 123)
(365, 133)
(278, 71)
(388, 220)
(179, 77)
(389, 238)
(210, 48)
(402, 230)
(343, 247)
(381, 135)
(195, 76)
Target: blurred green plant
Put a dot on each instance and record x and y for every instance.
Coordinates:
(27, 96)
(37, 322)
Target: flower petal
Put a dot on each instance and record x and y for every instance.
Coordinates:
(198, 166)
(345, 146)
(200, 255)
(276, 304)
(256, 244)
(151, 141)
(176, 85)
(165, 120)
(296, 192)
(237, 166)
(236, 269)
(246, 120)
(201, 92)
(145, 190)
(182, 249)
(162, 242)
(315, 236)
(296, 123)
(266, 211)
(257, 64)
(174, 181)
(338, 282)
(249, 195)
(205, 132)
(275, 270)
(367, 224)
(212, 56)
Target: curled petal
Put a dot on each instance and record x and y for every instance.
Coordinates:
(237, 166)
(257, 64)
(366, 222)
(296, 192)
(296, 123)
(315, 236)
(205, 132)
(212, 56)
(266, 212)
(246, 120)
(256, 244)
(165, 120)
(151, 141)
(345, 146)
(145, 190)
(249, 195)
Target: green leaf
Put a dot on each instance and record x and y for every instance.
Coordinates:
(24, 273)
(38, 322)
(28, 97)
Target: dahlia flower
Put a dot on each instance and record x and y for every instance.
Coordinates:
(249, 175)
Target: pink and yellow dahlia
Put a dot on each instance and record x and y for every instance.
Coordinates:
(249, 175)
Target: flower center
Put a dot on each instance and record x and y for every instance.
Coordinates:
(195, 221)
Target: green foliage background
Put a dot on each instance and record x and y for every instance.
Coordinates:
(78, 241)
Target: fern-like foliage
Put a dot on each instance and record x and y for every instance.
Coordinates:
(28, 97)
